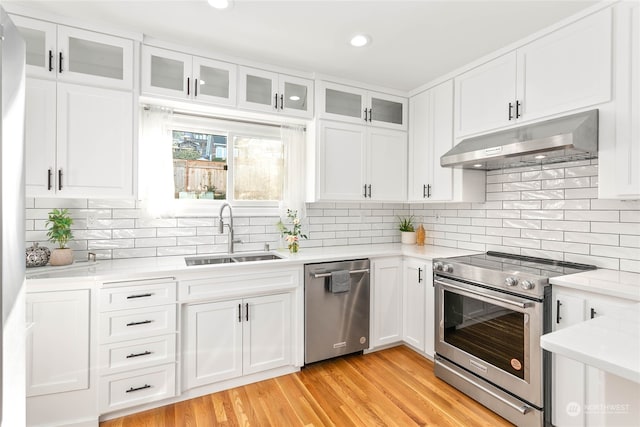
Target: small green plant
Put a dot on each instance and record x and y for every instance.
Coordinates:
(406, 223)
(59, 224)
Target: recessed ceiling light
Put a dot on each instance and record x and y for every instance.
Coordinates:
(220, 4)
(540, 156)
(360, 40)
(478, 165)
(294, 98)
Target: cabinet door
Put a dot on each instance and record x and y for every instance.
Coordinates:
(266, 335)
(387, 110)
(429, 311)
(483, 94)
(419, 158)
(387, 301)
(342, 103)
(57, 342)
(567, 69)
(40, 137)
(413, 307)
(165, 72)
(212, 342)
(387, 164)
(95, 142)
(296, 96)
(440, 141)
(568, 375)
(257, 89)
(40, 41)
(214, 81)
(94, 58)
(341, 161)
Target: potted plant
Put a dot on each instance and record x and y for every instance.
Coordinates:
(59, 225)
(294, 235)
(407, 231)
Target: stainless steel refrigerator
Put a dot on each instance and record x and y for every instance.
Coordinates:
(12, 224)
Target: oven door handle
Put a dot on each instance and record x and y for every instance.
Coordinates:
(480, 294)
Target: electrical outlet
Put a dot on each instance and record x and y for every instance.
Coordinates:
(91, 220)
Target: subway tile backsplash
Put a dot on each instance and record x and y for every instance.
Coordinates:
(547, 211)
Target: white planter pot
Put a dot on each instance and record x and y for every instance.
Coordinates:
(61, 257)
(408, 237)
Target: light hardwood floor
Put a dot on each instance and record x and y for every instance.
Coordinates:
(393, 387)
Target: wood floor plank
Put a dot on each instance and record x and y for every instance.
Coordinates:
(393, 387)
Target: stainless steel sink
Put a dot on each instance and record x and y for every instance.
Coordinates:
(229, 259)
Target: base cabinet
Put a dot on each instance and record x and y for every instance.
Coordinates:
(228, 339)
(387, 302)
(413, 305)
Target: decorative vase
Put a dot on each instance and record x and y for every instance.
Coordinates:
(37, 256)
(420, 235)
(293, 247)
(408, 237)
(61, 256)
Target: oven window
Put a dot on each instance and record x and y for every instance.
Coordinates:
(489, 332)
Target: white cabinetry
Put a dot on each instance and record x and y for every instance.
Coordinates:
(351, 104)
(430, 136)
(563, 71)
(573, 382)
(619, 163)
(137, 337)
(413, 307)
(74, 55)
(178, 75)
(357, 162)
(250, 335)
(386, 302)
(271, 92)
(78, 143)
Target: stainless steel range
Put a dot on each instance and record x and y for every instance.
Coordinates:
(491, 310)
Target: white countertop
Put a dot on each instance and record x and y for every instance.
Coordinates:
(612, 342)
(140, 267)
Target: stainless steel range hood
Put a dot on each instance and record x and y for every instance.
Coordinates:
(573, 137)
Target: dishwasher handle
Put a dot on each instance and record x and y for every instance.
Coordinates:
(322, 275)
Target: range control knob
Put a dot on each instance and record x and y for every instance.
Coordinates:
(510, 281)
(437, 266)
(447, 268)
(527, 285)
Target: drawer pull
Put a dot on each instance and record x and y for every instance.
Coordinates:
(139, 296)
(144, 322)
(146, 353)
(138, 388)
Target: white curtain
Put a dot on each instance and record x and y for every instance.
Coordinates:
(155, 162)
(294, 138)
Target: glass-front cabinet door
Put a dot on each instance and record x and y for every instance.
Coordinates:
(165, 72)
(214, 81)
(296, 96)
(258, 90)
(342, 103)
(40, 40)
(94, 58)
(387, 110)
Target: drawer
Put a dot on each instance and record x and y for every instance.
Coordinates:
(135, 388)
(140, 353)
(137, 323)
(146, 295)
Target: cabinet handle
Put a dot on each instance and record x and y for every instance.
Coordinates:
(419, 275)
(365, 114)
(369, 187)
(144, 322)
(50, 60)
(370, 114)
(188, 86)
(365, 191)
(558, 318)
(195, 87)
(60, 63)
(139, 296)
(138, 388)
(424, 191)
(428, 191)
(276, 100)
(247, 311)
(510, 111)
(282, 102)
(49, 176)
(59, 179)
(593, 312)
(145, 353)
(518, 105)
(239, 313)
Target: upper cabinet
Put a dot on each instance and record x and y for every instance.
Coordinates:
(563, 71)
(619, 162)
(74, 55)
(178, 75)
(270, 92)
(350, 104)
(430, 136)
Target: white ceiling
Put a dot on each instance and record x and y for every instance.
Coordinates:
(413, 41)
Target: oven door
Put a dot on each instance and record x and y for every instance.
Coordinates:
(491, 334)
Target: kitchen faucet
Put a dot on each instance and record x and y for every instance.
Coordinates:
(230, 240)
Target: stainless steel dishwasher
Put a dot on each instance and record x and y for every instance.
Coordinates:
(336, 315)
